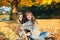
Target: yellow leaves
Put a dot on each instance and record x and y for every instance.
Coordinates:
(26, 3)
(44, 2)
(11, 0)
(4, 2)
(37, 2)
(49, 25)
(57, 1)
(8, 32)
(29, 3)
(52, 26)
(6, 29)
(49, 2)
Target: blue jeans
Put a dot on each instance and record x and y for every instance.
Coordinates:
(42, 36)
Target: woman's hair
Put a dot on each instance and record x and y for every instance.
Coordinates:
(32, 19)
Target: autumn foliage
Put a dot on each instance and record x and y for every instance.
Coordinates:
(30, 2)
(37, 2)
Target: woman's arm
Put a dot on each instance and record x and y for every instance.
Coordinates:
(35, 30)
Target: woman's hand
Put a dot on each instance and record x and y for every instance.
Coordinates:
(33, 32)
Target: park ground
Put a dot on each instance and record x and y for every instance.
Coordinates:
(9, 28)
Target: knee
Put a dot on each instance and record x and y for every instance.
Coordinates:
(47, 33)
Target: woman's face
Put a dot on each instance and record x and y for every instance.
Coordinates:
(20, 17)
(29, 16)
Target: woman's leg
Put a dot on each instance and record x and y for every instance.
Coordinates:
(34, 37)
(41, 38)
(44, 34)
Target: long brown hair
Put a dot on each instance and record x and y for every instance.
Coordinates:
(33, 18)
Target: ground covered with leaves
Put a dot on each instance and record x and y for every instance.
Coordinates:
(9, 28)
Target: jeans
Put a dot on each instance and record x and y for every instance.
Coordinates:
(42, 36)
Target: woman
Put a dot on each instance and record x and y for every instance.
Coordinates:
(31, 25)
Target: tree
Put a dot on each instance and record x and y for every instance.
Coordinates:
(27, 3)
(14, 4)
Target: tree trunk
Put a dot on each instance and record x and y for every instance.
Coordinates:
(14, 4)
(14, 11)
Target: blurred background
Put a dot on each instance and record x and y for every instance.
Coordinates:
(46, 12)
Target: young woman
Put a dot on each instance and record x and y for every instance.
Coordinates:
(31, 25)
